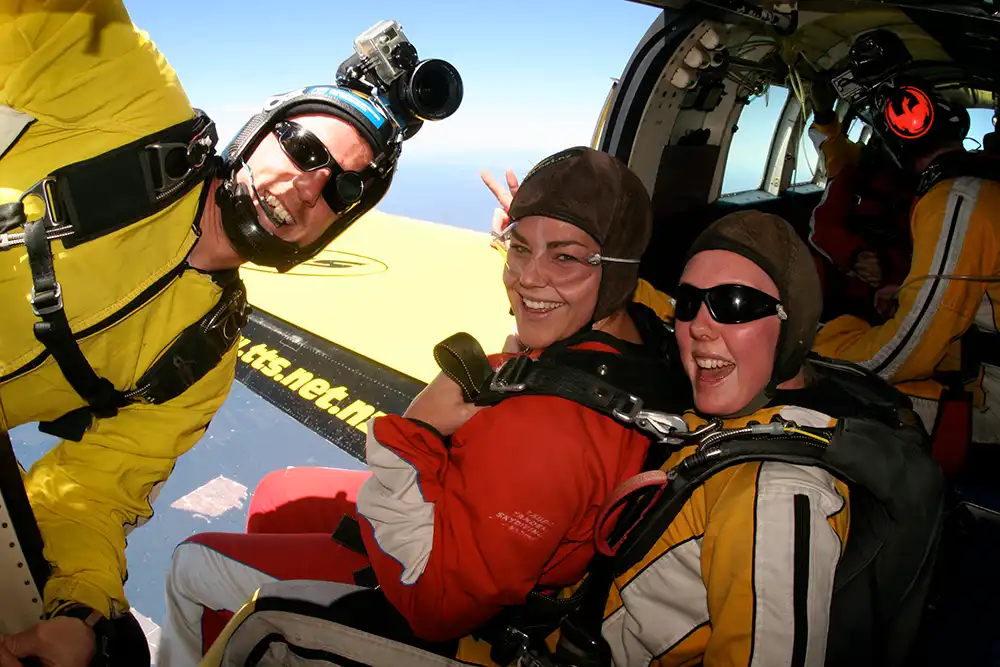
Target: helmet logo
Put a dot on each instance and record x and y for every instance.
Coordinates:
(911, 114)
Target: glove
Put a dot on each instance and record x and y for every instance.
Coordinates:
(823, 97)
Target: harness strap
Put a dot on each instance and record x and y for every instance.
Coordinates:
(55, 333)
(199, 348)
(956, 165)
(196, 351)
(132, 182)
(523, 375)
(348, 535)
(461, 357)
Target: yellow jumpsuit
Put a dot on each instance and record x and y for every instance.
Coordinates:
(955, 229)
(78, 79)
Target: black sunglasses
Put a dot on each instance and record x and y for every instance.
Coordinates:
(308, 153)
(727, 304)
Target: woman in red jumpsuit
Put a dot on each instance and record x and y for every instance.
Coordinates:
(467, 509)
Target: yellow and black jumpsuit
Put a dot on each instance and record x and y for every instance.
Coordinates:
(77, 79)
(955, 230)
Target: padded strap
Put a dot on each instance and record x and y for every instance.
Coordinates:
(348, 535)
(199, 348)
(523, 375)
(132, 182)
(461, 358)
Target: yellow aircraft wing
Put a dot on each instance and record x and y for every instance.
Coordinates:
(349, 334)
(390, 288)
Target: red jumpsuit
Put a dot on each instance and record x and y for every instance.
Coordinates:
(454, 529)
(866, 207)
(454, 534)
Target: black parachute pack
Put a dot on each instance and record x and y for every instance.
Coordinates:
(92, 198)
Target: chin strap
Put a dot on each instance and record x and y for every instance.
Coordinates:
(245, 233)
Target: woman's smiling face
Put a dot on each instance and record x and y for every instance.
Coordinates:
(552, 289)
(728, 364)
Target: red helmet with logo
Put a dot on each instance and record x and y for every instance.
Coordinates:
(909, 112)
(914, 119)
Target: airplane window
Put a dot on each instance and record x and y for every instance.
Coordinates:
(981, 123)
(807, 160)
(751, 143)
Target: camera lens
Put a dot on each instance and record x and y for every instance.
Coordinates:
(433, 91)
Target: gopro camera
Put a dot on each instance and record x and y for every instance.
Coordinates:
(386, 49)
(875, 59)
(386, 63)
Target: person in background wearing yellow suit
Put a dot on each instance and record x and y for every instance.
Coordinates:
(120, 282)
(951, 287)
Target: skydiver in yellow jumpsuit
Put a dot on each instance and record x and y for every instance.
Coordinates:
(152, 250)
(951, 286)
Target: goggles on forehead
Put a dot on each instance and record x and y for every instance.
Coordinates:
(561, 264)
(727, 304)
(502, 243)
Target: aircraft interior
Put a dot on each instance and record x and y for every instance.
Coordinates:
(675, 113)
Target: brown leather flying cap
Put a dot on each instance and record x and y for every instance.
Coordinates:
(599, 194)
(772, 244)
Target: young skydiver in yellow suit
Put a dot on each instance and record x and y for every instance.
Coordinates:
(138, 267)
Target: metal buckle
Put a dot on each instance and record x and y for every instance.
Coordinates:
(168, 183)
(236, 311)
(54, 294)
(196, 152)
(43, 190)
(506, 379)
(661, 424)
(634, 407)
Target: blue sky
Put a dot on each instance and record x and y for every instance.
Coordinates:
(536, 73)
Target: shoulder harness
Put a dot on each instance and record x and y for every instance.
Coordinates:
(956, 164)
(90, 199)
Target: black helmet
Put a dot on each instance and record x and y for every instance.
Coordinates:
(373, 121)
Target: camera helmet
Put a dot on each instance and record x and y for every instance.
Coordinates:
(914, 120)
(240, 223)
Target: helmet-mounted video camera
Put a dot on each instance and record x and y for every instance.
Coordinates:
(385, 64)
(874, 60)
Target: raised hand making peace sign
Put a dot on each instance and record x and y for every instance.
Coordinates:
(504, 196)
